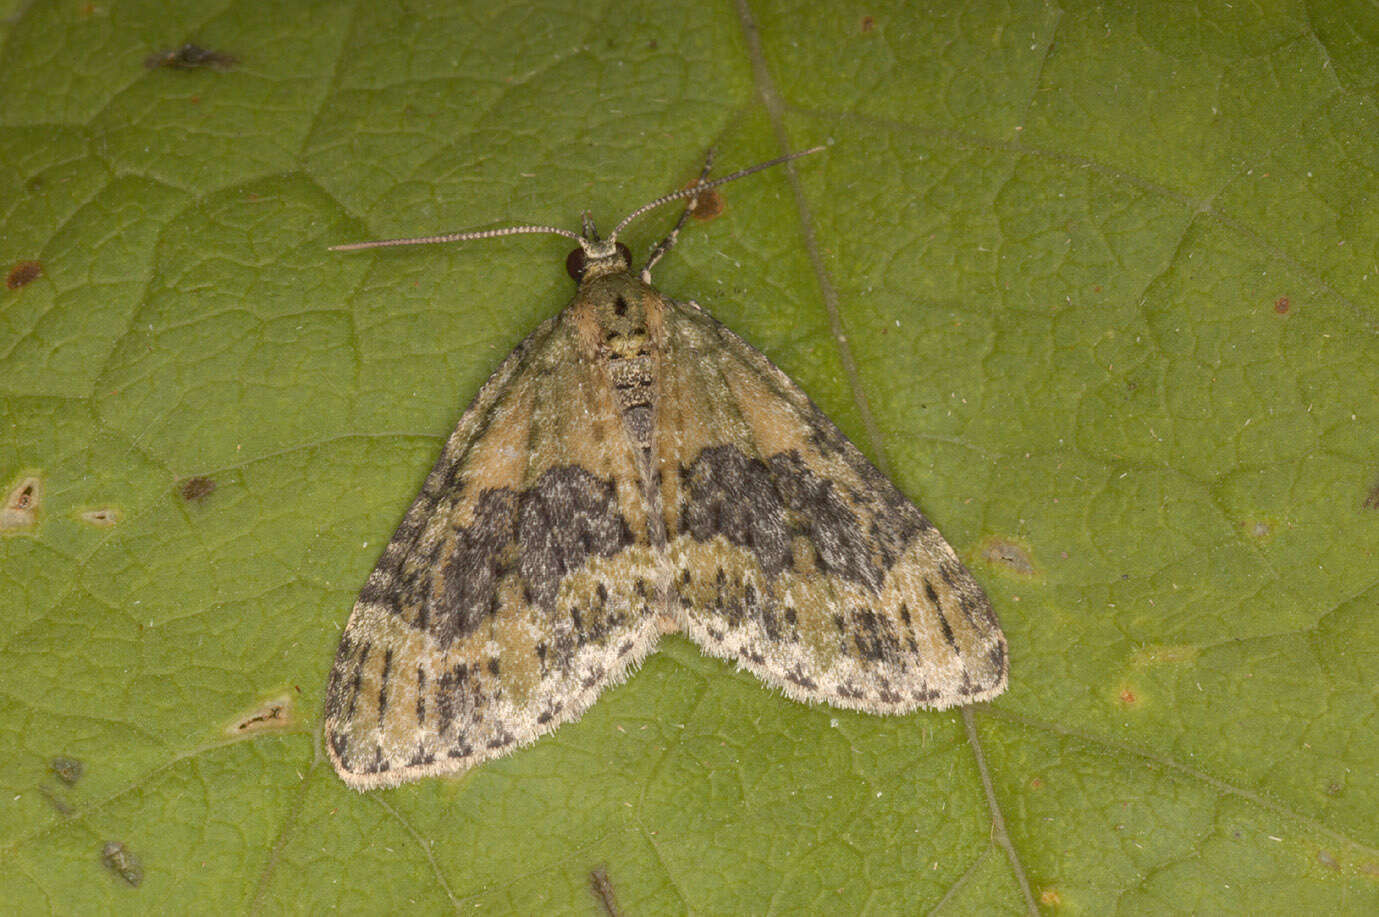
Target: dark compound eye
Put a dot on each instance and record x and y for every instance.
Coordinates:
(576, 263)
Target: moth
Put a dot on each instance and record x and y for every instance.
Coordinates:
(632, 469)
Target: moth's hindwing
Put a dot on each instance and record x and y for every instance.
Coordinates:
(519, 584)
(793, 555)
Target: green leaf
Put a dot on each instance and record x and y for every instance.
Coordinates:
(1095, 285)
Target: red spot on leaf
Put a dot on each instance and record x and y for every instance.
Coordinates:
(24, 273)
(706, 206)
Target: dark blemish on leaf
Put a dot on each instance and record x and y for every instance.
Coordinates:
(867, 24)
(68, 770)
(122, 862)
(1281, 305)
(190, 57)
(22, 506)
(1008, 555)
(1128, 697)
(1372, 498)
(1050, 898)
(102, 517)
(24, 273)
(602, 888)
(196, 489)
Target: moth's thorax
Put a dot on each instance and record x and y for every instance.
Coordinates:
(617, 317)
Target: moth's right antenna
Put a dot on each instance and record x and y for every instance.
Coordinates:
(699, 188)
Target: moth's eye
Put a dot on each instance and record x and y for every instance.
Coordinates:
(575, 263)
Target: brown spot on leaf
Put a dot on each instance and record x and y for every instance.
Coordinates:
(1128, 697)
(190, 57)
(196, 489)
(122, 862)
(23, 273)
(1281, 305)
(21, 508)
(102, 517)
(867, 24)
(1009, 555)
(1372, 498)
(277, 714)
(68, 770)
(1050, 898)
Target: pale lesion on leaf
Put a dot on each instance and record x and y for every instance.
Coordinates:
(22, 505)
(276, 714)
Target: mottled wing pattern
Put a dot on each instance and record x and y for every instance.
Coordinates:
(793, 555)
(524, 556)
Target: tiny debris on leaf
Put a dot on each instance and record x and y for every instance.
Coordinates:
(120, 860)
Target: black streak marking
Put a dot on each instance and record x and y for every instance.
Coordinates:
(421, 696)
(383, 684)
(942, 618)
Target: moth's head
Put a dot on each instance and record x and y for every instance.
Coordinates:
(596, 257)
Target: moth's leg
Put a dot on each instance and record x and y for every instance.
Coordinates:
(665, 244)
